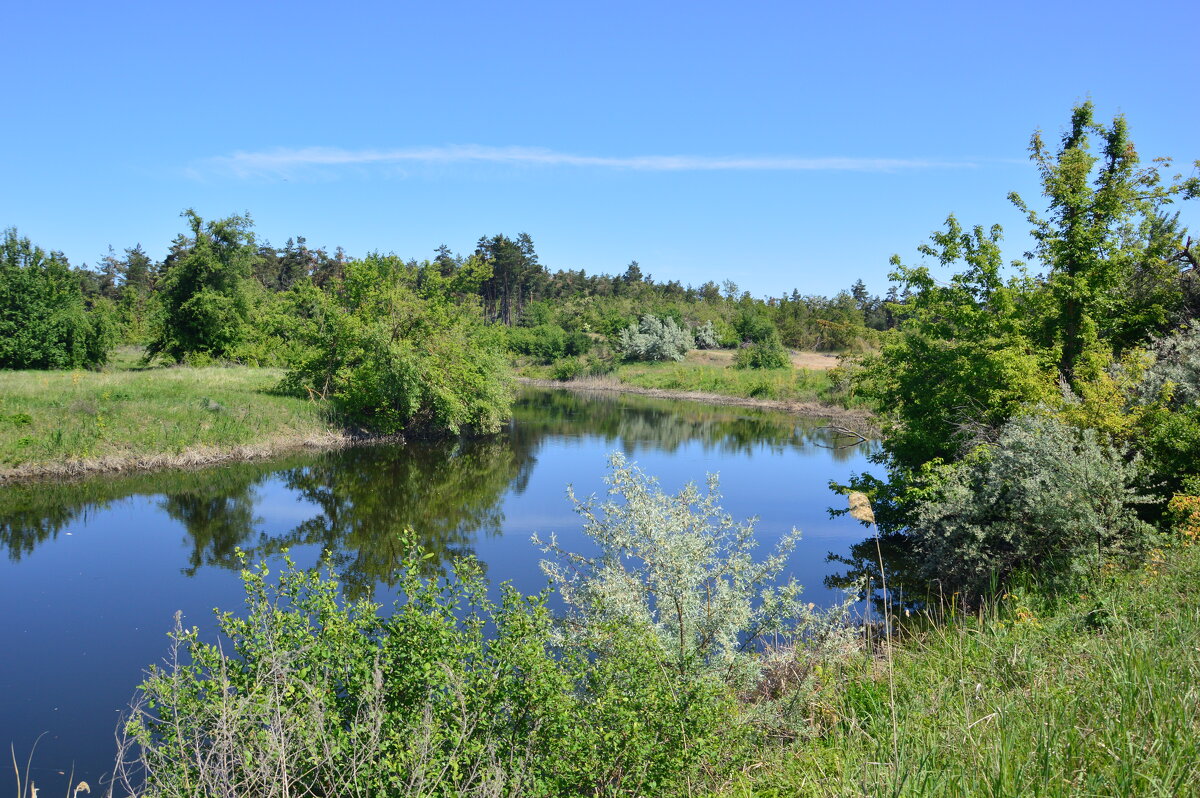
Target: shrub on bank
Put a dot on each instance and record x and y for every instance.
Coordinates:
(44, 323)
(649, 686)
(394, 360)
(653, 339)
(1046, 498)
(765, 354)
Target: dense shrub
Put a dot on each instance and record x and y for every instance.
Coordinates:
(680, 566)
(653, 339)
(1046, 497)
(765, 354)
(754, 327)
(568, 369)
(546, 343)
(1175, 371)
(203, 295)
(44, 323)
(395, 360)
(706, 336)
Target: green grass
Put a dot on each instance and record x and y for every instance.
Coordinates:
(1099, 695)
(786, 384)
(53, 417)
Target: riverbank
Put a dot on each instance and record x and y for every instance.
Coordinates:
(859, 420)
(1092, 694)
(64, 424)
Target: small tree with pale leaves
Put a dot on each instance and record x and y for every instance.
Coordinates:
(683, 568)
(653, 339)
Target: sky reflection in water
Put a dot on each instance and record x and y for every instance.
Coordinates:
(92, 572)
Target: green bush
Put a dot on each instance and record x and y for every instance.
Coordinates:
(44, 323)
(448, 694)
(753, 327)
(766, 354)
(1045, 498)
(394, 360)
(203, 296)
(546, 343)
(568, 369)
(657, 683)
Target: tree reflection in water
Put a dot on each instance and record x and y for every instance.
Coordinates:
(448, 492)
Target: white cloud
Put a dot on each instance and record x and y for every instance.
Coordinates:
(284, 162)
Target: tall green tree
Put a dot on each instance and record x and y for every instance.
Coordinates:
(962, 362)
(204, 302)
(44, 321)
(1105, 239)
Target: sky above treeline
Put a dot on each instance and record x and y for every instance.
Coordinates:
(779, 144)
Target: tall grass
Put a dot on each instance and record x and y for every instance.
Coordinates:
(1098, 694)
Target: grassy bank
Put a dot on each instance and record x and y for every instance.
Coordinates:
(58, 422)
(1095, 696)
(811, 379)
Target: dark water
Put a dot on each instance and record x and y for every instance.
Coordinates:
(91, 573)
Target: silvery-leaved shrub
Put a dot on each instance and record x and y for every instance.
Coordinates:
(1045, 496)
(1176, 367)
(681, 567)
(653, 339)
(706, 336)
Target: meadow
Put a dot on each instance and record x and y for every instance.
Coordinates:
(129, 415)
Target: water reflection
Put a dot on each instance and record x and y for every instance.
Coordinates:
(95, 569)
(906, 592)
(641, 422)
(447, 492)
(359, 499)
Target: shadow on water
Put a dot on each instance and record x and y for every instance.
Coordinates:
(907, 593)
(447, 492)
(640, 422)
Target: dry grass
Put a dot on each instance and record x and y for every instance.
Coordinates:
(809, 361)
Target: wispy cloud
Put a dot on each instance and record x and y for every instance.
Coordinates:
(287, 162)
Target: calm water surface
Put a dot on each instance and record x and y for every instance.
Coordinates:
(92, 573)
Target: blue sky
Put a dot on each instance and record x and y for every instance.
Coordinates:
(782, 145)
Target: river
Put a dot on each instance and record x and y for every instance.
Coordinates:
(92, 572)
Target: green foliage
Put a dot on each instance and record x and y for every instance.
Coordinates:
(397, 359)
(204, 301)
(546, 343)
(653, 338)
(44, 323)
(1106, 240)
(961, 363)
(448, 694)
(753, 327)
(1045, 498)
(765, 354)
(1174, 376)
(569, 368)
